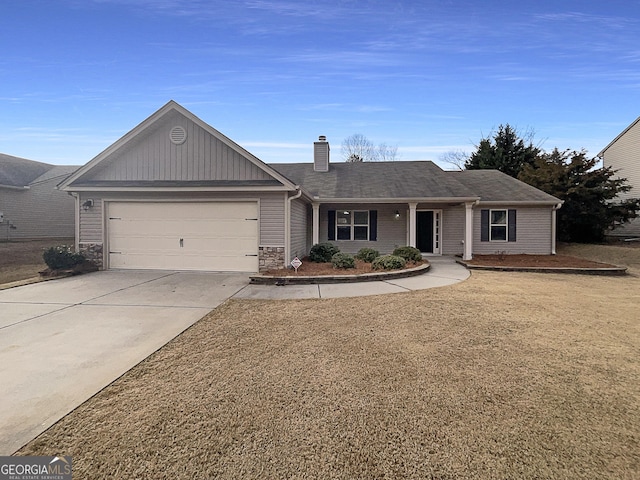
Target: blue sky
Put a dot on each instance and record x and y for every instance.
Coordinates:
(427, 76)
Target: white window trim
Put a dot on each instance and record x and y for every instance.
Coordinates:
(352, 217)
(505, 225)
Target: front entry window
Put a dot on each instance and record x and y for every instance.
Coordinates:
(352, 225)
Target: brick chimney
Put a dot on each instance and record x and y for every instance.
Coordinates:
(321, 154)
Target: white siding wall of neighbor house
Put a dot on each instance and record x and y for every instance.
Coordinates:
(624, 155)
(24, 209)
(153, 156)
(533, 232)
(271, 211)
(299, 216)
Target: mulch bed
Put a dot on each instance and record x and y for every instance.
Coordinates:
(524, 261)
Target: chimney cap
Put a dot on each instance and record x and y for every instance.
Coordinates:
(322, 138)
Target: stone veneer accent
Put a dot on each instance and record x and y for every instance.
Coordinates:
(92, 252)
(270, 257)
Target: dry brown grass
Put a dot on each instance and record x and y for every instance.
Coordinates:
(506, 375)
(22, 259)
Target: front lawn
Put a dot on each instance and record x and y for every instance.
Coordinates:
(505, 375)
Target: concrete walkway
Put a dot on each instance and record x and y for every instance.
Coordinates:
(444, 271)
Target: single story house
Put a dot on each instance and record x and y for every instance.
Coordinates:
(623, 155)
(174, 193)
(30, 204)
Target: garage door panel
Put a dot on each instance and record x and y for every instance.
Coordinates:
(215, 235)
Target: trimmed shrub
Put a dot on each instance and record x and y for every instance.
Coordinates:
(388, 262)
(410, 254)
(62, 257)
(322, 252)
(367, 254)
(343, 260)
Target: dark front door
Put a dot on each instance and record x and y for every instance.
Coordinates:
(424, 231)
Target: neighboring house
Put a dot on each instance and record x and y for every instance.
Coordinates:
(174, 193)
(30, 205)
(623, 155)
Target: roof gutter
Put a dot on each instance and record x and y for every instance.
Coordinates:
(397, 200)
(13, 187)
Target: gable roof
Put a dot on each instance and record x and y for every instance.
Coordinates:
(19, 172)
(601, 153)
(92, 175)
(415, 180)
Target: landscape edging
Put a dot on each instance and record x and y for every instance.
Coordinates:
(613, 271)
(363, 277)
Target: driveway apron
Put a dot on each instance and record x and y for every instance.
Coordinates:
(64, 340)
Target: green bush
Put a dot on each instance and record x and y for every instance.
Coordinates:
(62, 257)
(388, 262)
(367, 254)
(322, 252)
(343, 260)
(410, 254)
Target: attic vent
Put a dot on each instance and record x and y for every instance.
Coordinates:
(178, 135)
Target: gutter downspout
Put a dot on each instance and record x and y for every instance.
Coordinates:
(554, 227)
(287, 227)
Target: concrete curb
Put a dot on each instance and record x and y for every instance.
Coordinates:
(612, 271)
(313, 280)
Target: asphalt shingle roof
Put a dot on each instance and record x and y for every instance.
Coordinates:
(20, 172)
(495, 186)
(415, 179)
(371, 180)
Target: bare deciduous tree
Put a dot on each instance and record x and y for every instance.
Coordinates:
(358, 148)
(455, 158)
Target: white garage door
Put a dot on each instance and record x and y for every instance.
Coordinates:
(214, 236)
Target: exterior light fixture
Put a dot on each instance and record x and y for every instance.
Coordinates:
(88, 203)
(397, 215)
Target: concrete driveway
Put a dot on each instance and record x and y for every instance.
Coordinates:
(63, 341)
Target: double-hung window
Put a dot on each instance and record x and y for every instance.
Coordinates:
(352, 225)
(498, 225)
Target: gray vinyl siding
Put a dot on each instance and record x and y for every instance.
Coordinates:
(533, 232)
(40, 211)
(299, 228)
(272, 220)
(453, 230)
(392, 232)
(152, 156)
(271, 211)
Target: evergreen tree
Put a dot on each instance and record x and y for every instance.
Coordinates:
(506, 152)
(589, 194)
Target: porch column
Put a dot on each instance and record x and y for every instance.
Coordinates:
(315, 228)
(468, 231)
(412, 224)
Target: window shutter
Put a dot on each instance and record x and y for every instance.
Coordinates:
(331, 234)
(373, 225)
(511, 218)
(484, 225)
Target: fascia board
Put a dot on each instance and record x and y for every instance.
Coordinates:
(397, 200)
